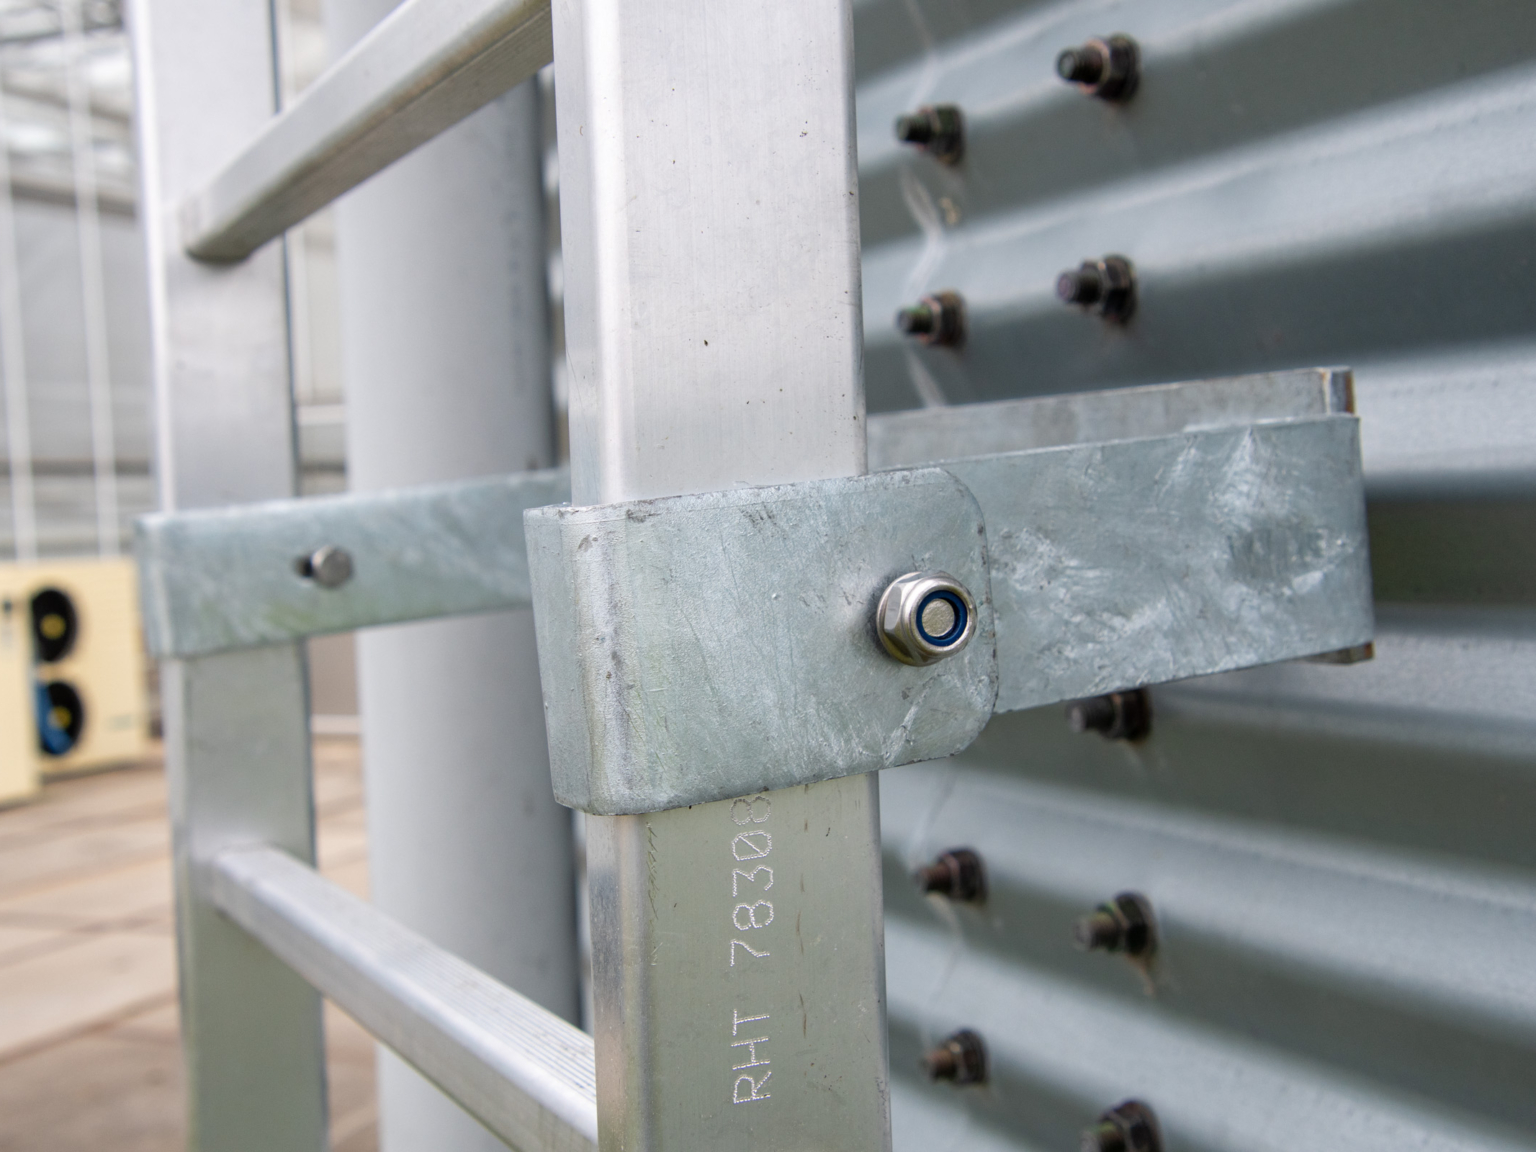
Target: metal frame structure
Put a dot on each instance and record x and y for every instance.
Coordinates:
(714, 327)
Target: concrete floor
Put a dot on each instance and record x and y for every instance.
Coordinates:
(90, 1053)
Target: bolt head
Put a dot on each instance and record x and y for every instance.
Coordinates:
(924, 617)
(329, 567)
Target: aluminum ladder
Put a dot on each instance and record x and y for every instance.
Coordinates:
(726, 554)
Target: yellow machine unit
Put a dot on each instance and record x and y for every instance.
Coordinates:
(71, 670)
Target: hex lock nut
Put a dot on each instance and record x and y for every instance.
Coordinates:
(937, 319)
(329, 567)
(1130, 1126)
(938, 129)
(1108, 67)
(924, 617)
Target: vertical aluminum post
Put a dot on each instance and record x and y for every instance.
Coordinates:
(13, 367)
(711, 252)
(441, 261)
(93, 290)
(236, 736)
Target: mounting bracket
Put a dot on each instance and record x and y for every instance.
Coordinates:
(695, 648)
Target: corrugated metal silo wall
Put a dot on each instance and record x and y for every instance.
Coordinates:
(1341, 860)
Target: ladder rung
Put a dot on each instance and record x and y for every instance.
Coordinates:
(223, 579)
(422, 70)
(525, 1073)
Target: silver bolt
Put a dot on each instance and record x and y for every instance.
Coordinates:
(924, 617)
(329, 567)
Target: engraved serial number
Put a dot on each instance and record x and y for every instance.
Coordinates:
(750, 1071)
(751, 844)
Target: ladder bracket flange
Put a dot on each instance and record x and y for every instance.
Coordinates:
(695, 648)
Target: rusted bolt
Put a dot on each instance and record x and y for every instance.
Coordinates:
(1123, 924)
(1118, 716)
(956, 873)
(1107, 287)
(1129, 1126)
(960, 1059)
(938, 319)
(938, 129)
(1107, 67)
(329, 567)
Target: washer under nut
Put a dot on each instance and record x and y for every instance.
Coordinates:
(924, 617)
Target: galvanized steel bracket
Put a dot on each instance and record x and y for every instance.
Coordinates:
(221, 579)
(702, 647)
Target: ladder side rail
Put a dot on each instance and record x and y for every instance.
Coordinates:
(428, 65)
(521, 1070)
(709, 215)
(236, 731)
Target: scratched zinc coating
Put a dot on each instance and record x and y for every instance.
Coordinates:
(1143, 561)
(218, 580)
(657, 695)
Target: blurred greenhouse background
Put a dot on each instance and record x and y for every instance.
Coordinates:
(74, 332)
